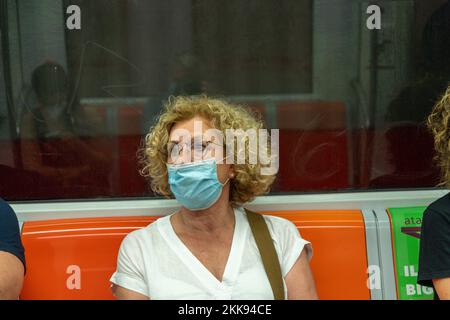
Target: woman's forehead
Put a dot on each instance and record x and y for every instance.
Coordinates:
(196, 127)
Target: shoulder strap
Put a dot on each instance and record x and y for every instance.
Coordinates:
(267, 251)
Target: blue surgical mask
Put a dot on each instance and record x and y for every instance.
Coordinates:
(195, 185)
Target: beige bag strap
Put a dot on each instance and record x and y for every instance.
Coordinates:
(267, 251)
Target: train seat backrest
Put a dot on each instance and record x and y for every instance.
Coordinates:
(75, 258)
(339, 261)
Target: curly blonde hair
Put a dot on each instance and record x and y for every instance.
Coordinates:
(439, 124)
(248, 182)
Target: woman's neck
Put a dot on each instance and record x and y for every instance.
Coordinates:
(219, 217)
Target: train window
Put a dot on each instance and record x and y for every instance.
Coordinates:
(350, 102)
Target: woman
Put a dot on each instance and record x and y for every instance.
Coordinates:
(205, 250)
(434, 257)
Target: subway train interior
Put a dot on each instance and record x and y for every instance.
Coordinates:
(350, 100)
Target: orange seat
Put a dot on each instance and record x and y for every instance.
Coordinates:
(54, 249)
(339, 262)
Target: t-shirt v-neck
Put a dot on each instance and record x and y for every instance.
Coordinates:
(197, 268)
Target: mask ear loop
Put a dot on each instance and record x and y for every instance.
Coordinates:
(229, 178)
(222, 162)
(226, 181)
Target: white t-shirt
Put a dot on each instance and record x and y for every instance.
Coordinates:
(154, 261)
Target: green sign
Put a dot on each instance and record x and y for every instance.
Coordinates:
(406, 223)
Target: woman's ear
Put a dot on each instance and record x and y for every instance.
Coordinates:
(231, 173)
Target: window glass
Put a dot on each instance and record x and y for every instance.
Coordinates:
(350, 102)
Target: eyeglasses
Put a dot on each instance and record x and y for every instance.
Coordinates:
(185, 151)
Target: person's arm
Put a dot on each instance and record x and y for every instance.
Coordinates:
(11, 276)
(12, 259)
(300, 282)
(294, 253)
(128, 282)
(125, 294)
(442, 287)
